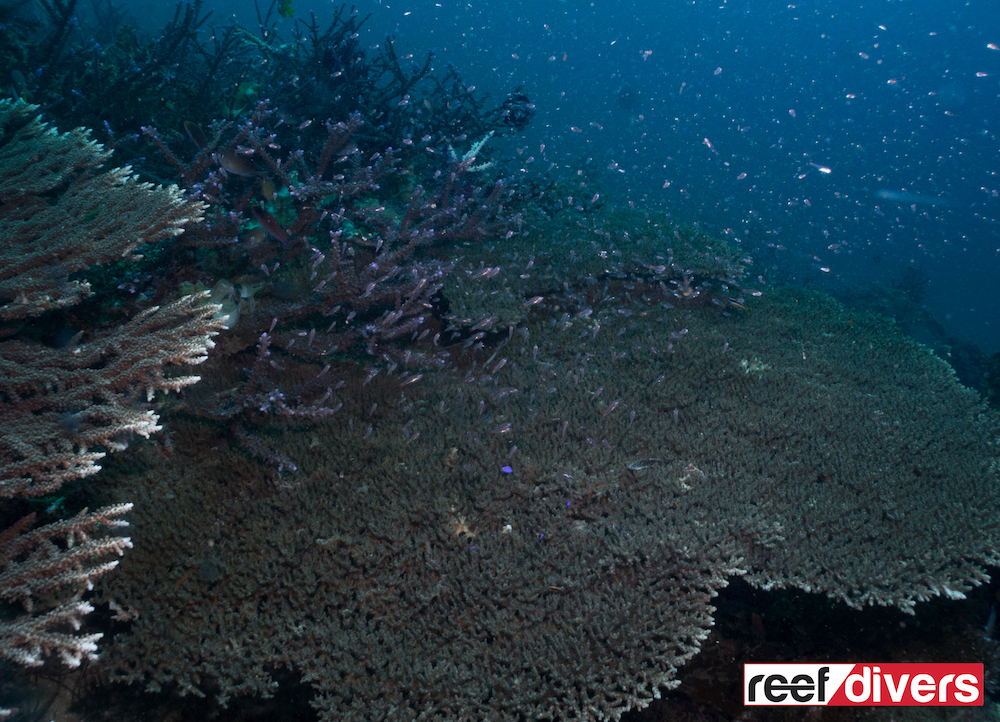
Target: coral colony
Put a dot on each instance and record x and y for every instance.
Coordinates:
(458, 449)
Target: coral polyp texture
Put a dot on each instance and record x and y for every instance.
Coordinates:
(539, 530)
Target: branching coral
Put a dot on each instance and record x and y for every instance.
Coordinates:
(61, 409)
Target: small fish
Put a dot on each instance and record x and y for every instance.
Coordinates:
(236, 163)
(268, 188)
(255, 236)
(195, 133)
(644, 463)
(18, 84)
(504, 392)
(911, 198)
(270, 224)
(285, 9)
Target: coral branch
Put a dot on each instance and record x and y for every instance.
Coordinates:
(33, 565)
(98, 216)
(61, 409)
(63, 404)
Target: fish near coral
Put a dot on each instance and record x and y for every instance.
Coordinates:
(270, 224)
(195, 133)
(237, 164)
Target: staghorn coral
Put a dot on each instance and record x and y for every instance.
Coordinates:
(553, 252)
(62, 409)
(100, 216)
(343, 271)
(61, 404)
(35, 567)
(538, 532)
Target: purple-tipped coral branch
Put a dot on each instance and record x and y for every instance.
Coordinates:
(341, 263)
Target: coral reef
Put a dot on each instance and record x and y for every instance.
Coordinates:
(62, 409)
(99, 216)
(562, 251)
(343, 271)
(467, 449)
(541, 532)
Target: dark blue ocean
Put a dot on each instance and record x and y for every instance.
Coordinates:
(842, 143)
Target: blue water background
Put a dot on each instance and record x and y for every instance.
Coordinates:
(666, 105)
